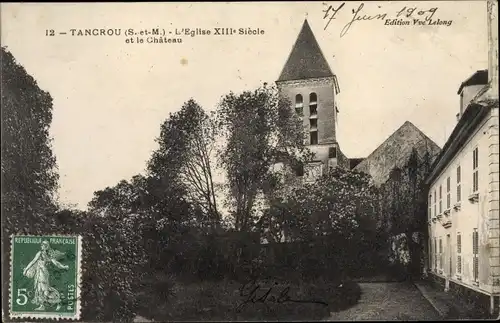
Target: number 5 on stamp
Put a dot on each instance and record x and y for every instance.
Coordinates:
(45, 277)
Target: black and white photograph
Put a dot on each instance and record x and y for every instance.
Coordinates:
(250, 161)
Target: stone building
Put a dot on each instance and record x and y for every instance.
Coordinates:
(309, 83)
(395, 151)
(463, 197)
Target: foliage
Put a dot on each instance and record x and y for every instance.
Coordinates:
(184, 159)
(261, 129)
(338, 204)
(29, 177)
(330, 226)
(168, 220)
(404, 203)
(115, 266)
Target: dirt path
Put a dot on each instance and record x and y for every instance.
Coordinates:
(389, 301)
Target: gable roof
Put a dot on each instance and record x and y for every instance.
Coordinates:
(306, 59)
(395, 151)
(474, 113)
(478, 78)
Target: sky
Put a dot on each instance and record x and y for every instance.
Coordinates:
(110, 97)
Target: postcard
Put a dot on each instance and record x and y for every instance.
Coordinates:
(250, 161)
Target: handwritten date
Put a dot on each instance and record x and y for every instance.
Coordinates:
(330, 13)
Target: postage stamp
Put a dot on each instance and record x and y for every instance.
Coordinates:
(45, 277)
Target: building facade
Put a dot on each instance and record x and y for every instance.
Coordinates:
(463, 196)
(309, 83)
(463, 211)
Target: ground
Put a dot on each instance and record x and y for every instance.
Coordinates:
(379, 301)
(389, 301)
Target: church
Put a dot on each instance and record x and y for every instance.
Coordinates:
(310, 84)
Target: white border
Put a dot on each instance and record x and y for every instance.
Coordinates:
(78, 269)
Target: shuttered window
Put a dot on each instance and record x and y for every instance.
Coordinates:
(429, 210)
(459, 253)
(448, 195)
(475, 171)
(475, 255)
(435, 255)
(440, 199)
(440, 253)
(435, 203)
(431, 256)
(459, 185)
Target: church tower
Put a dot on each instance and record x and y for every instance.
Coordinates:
(309, 83)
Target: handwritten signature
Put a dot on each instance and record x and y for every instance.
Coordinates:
(250, 291)
(357, 15)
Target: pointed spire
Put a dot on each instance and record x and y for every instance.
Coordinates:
(306, 59)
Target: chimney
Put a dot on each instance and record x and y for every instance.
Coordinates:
(458, 116)
(493, 47)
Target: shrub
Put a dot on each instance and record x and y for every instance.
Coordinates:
(113, 268)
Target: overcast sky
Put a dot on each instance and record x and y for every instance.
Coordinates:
(111, 97)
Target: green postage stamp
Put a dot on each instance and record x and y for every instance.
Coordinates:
(45, 277)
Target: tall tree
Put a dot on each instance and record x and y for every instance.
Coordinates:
(260, 129)
(184, 158)
(29, 171)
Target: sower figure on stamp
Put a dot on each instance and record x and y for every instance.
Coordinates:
(38, 270)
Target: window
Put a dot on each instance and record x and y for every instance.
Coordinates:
(429, 211)
(475, 255)
(448, 196)
(314, 137)
(313, 99)
(299, 103)
(459, 189)
(459, 253)
(313, 111)
(435, 203)
(313, 104)
(475, 171)
(332, 152)
(440, 199)
(313, 123)
(440, 253)
(435, 254)
(431, 256)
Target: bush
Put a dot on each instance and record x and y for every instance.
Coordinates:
(113, 268)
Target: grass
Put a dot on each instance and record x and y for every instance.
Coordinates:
(216, 301)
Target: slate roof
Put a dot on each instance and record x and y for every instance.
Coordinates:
(395, 151)
(306, 59)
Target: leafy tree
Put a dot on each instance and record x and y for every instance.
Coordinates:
(29, 170)
(123, 198)
(261, 129)
(332, 218)
(336, 205)
(29, 177)
(184, 159)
